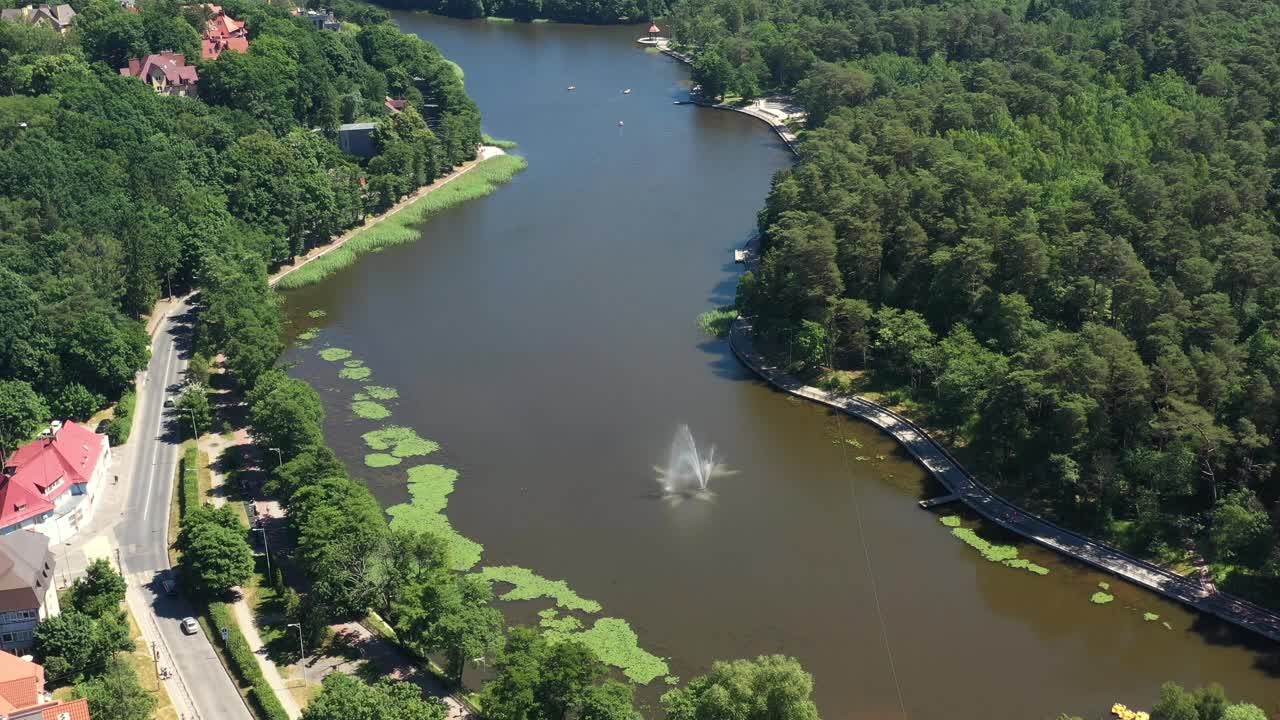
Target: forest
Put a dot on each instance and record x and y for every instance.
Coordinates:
(112, 195)
(596, 12)
(1047, 229)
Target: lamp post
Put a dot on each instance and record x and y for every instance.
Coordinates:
(266, 550)
(302, 652)
(279, 456)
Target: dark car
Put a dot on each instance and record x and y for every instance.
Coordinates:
(168, 402)
(102, 426)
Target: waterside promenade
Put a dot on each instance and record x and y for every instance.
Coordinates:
(996, 509)
(774, 111)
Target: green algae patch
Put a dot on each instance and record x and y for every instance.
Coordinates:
(355, 373)
(401, 441)
(528, 585)
(309, 335)
(1150, 617)
(1101, 598)
(616, 644)
(1104, 585)
(317, 314)
(353, 363)
(950, 521)
(334, 354)
(557, 627)
(380, 460)
(370, 410)
(672, 680)
(359, 396)
(382, 392)
(429, 488)
(1003, 554)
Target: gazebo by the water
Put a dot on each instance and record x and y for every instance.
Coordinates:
(653, 37)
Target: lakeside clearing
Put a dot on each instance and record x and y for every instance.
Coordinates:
(473, 180)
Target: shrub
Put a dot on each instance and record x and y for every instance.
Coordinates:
(120, 425)
(245, 665)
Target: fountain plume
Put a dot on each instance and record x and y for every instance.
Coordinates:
(688, 473)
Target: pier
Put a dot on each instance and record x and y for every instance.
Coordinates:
(965, 488)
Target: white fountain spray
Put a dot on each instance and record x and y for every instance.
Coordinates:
(687, 473)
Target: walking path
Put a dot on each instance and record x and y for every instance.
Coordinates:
(215, 446)
(982, 500)
(315, 253)
(774, 111)
(391, 662)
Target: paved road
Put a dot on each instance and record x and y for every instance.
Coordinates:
(957, 480)
(201, 687)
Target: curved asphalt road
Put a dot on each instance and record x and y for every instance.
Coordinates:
(203, 686)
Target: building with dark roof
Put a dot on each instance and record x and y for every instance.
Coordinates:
(357, 139)
(27, 593)
(57, 17)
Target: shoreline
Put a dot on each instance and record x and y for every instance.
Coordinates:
(784, 133)
(944, 468)
(486, 152)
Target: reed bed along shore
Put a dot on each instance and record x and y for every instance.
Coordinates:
(397, 229)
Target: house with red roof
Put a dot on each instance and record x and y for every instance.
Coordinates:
(167, 73)
(23, 695)
(222, 33)
(393, 105)
(50, 483)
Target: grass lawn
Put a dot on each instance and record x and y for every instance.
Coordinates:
(145, 666)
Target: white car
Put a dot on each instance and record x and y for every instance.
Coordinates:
(190, 626)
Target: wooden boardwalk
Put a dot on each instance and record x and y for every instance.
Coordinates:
(996, 509)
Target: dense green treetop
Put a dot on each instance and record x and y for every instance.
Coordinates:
(771, 687)
(1053, 223)
(343, 697)
(575, 11)
(111, 195)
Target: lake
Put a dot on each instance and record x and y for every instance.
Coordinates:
(545, 336)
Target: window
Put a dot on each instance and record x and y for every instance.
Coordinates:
(6, 637)
(56, 484)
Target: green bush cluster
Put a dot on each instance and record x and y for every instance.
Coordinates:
(189, 482)
(121, 422)
(244, 663)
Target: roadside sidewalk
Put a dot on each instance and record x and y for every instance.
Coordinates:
(96, 537)
(179, 695)
(215, 446)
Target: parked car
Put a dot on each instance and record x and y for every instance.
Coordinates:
(102, 427)
(190, 626)
(168, 402)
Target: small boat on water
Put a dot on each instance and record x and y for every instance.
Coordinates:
(572, 88)
(627, 91)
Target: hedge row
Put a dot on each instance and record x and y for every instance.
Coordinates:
(189, 486)
(240, 656)
(245, 664)
(122, 420)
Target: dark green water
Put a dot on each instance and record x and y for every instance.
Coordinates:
(544, 336)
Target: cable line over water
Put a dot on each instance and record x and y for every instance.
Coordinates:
(866, 552)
